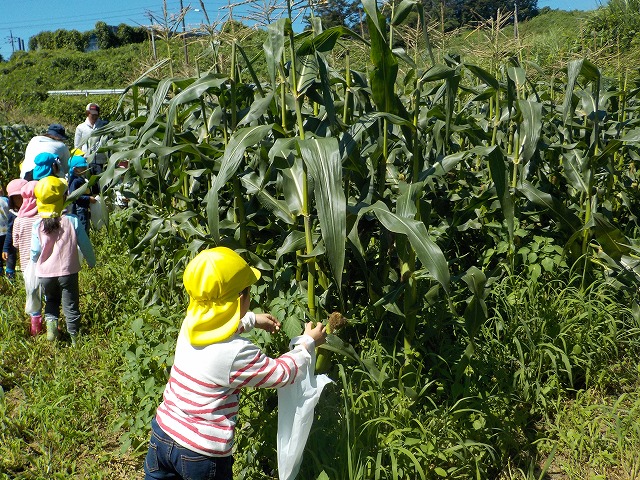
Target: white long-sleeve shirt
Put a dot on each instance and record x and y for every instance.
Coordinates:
(200, 401)
(84, 141)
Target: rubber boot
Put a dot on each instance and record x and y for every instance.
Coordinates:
(36, 325)
(52, 330)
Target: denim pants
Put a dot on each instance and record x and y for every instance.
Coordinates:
(66, 291)
(84, 216)
(11, 260)
(167, 459)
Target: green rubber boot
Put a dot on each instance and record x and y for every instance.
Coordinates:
(52, 329)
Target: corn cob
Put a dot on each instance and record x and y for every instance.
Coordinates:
(323, 356)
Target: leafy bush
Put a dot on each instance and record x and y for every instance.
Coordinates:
(617, 21)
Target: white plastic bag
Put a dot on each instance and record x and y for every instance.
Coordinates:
(32, 288)
(99, 213)
(295, 415)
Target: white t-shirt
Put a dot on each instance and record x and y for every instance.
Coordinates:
(41, 144)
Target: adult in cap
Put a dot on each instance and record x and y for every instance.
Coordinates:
(87, 142)
(52, 141)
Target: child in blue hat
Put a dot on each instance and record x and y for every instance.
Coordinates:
(78, 169)
(46, 164)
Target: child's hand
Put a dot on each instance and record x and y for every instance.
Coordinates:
(267, 322)
(5, 256)
(318, 332)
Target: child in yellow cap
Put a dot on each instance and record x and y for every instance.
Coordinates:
(192, 433)
(55, 240)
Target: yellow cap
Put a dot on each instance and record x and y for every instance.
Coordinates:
(76, 151)
(214, 280)
(49, 193)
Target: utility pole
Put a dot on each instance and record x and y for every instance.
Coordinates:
(184, 34)
(516, 33)
(11, 37)
(153, 39)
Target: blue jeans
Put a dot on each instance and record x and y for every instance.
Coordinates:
(167, 459)
(84, 217)
(11, 260)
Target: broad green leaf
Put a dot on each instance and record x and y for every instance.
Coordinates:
(322, 157)
(574, 70)
(238, 143)
(325, 41)
(437, 72)
(190, 94)
(383, 75)
(371, 9)
(484, 76)
(500, 177)
(632, 136)
(576, 170)
(295, 241)
(565, 218)
(257, 110)
(518, 75)
(292, 187)
(327, 95)
(611, 239)
(426, 249)
(401, 10)
(158, 100)
(350, 140)
(277, 207)
(274, 46)
(530, 128)
(307, 71)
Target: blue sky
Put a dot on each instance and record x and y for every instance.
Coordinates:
(25, 18)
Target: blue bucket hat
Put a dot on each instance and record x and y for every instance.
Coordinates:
(77, 161)
(44, 165)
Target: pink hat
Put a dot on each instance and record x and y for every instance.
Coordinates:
(15, 186)
(29, 207)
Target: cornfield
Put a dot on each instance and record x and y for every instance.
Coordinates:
(461, 216)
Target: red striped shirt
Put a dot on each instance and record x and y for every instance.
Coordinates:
(200, 401)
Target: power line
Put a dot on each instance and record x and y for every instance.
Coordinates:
(76, 18)
(88, 19)
(95, 16)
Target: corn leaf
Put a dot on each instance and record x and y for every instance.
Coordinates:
(239, 142)
(322, 157)
(426, 249)
(531, 127)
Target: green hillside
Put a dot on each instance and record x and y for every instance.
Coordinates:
(549, 39)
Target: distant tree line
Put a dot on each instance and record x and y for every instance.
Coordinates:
(106, 37)
(450, 14)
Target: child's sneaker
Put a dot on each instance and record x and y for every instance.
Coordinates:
(74, 339)
(36, 325)
(52, 330)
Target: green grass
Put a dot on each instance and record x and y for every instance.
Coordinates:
(65, 412)
(58, 404)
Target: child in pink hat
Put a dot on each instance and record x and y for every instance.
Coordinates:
(9, 253)
(22, 227)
